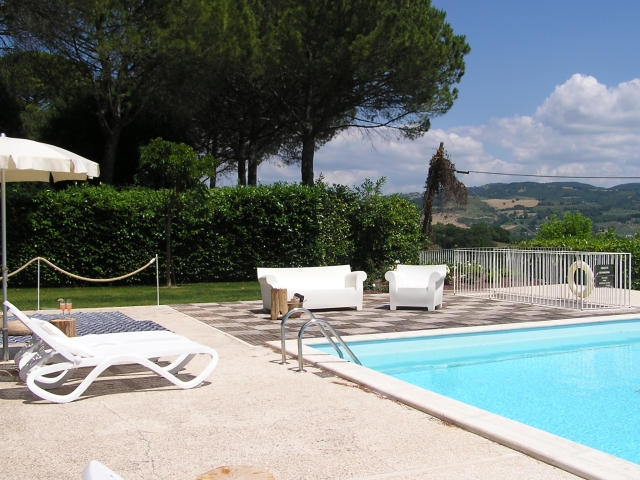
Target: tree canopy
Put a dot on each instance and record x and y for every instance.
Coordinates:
(479, 235)
(243, 80)
(119, 52)
(362, 64)
(173, 168)
(573, 225)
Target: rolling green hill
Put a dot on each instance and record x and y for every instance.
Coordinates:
(518, 205)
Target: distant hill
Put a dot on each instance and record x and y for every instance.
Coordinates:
(514, 205)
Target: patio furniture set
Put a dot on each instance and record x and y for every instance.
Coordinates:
(338, 286)
(52, 357)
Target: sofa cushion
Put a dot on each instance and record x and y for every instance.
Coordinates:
(308, 277)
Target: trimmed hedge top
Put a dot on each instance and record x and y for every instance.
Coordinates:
(218, 234)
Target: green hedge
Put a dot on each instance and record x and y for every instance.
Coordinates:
(607, 242)
(94, 232)
(218, 234)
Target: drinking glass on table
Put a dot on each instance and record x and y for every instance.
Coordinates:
(68, 305)
(63, 305)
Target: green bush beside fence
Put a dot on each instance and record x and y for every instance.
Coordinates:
(219, 234)
(604, 242)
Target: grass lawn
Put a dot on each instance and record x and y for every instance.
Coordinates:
(123, 296)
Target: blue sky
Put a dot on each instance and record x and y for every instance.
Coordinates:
(551, 87)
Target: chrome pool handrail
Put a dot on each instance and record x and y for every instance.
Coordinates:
(320, 322)
(283, 333)
(283, 325)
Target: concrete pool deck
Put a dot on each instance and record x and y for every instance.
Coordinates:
(251, 411)
(583, 461)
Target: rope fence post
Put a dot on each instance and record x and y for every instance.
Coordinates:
(38, 303)
(157, 284)
(85, 279)
(5, 327)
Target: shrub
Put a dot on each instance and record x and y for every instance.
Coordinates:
(606, 242)
(95, 232)
(573, 225)
(231, 231)
(469, 273)
(386, 231)
(220, 234)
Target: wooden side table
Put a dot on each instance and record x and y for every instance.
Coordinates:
(278, 302)
(66, 325)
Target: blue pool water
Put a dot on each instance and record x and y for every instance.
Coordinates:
(581, 382)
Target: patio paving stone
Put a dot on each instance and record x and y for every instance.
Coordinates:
(250, 323)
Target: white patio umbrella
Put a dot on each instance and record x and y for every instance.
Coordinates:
(24, 160)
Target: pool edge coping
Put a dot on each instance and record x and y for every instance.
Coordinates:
(565, 454)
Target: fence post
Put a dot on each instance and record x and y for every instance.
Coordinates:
(581, 277)
(492, 285)
(630, 287)
(157, 284)
(38, 303)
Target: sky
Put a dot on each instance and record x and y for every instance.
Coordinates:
(550, 88)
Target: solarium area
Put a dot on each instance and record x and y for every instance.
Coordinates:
(254, 411)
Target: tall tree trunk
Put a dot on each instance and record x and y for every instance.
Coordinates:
(242, 171)
(308, 135)
(167, 236)
(107, 166)
(241, 159)
(308, 151)
(253, 166)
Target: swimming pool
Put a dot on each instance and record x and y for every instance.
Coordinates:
(579, 381)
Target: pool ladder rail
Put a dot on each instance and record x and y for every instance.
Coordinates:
(323, 325)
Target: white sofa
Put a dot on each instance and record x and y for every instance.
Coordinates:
(322, 287)
(416, 286)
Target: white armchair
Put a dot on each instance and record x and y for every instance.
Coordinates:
(416, 286)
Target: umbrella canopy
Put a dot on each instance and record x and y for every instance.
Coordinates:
(28, 161)
(24, 160)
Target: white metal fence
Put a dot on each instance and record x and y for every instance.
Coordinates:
(583, 280)
(437, 257)
(447, 255)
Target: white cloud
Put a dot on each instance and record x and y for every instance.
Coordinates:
(583, 128)
(350, 160)
(583, 106)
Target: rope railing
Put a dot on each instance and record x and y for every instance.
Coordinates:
(86, 279)
(78, 277)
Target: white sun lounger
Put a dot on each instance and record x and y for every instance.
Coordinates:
(22, 357)
(73, 355)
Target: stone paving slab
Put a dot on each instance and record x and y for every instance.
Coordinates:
(248, 322)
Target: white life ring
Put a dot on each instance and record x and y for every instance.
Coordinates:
(578, 289)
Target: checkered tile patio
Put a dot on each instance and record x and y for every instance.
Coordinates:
(248, 322)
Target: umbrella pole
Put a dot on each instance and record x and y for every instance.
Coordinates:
(5, 329)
